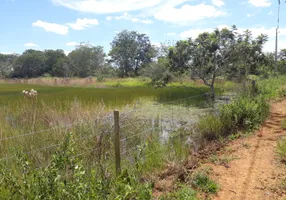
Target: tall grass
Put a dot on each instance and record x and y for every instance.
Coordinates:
(55, 164)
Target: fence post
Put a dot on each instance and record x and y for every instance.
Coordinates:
(117, 141)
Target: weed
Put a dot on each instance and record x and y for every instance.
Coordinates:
(246, 145)
(281, 149)
(283, 124)
(202, 181)
(219, 160)
(210, 127)
(183, 193)
(282, 184)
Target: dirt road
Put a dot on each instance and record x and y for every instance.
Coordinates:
(256, 174)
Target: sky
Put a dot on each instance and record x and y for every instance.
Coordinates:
(63, 24)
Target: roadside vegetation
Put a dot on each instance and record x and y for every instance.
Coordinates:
(60, 145)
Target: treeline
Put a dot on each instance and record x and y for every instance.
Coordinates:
(223, 52)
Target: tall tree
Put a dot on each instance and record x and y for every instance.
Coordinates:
(30, 64)
(86, 60)
(206, 57)
(247, 54)
(130, 51)
(55, 59)
(6, 64)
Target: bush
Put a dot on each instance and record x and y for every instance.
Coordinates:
(100, 78)
(244, 113)
(210, 127)
(158, 72)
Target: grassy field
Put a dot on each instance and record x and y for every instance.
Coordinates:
(59, 106)
(39, 126)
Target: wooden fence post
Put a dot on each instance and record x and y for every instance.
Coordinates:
(117, 141)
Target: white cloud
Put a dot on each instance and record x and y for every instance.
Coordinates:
(67, 52)
(127, 16)
(156, 44)
(146, 21)
(249, 15)
(171, 34)
(260, 3)
(194, 33)
(107, 6)
(268, 47)
(52, 27)
(218, 3)
(187, 13)
(30, 44)
(80, 24)
(6, 53)
(72, 43)
(271, 32)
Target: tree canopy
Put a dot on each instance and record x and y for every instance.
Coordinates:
(131, 51)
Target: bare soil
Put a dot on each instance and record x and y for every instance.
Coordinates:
(256, 173)
(247, 168)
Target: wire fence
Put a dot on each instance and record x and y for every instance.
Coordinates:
(136, 127)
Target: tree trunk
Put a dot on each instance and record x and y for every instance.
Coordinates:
(212, 92)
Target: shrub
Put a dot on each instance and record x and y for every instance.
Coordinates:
(244, 113)
(100, 78)
(210, 127)
(158, 72)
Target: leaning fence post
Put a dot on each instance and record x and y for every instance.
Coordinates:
(117, 141)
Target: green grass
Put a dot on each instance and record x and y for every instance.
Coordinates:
(183, 193)
(272, 88)
(114, 97)
(219, 160)
(283, 124)
(91, 158)
(203, 182)
(243, 114)
(281, 149)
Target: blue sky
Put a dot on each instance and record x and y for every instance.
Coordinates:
(62, 24)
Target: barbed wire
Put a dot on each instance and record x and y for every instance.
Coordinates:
(46, 130)
(124, 115)
(141, 133)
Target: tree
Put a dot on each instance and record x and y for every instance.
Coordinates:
(86, 60)
(131, 51)
(247, 54)
(6, 64)
(206, 57)
(32, 63)
(158, 72)
(282, 62)
(56, 62)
